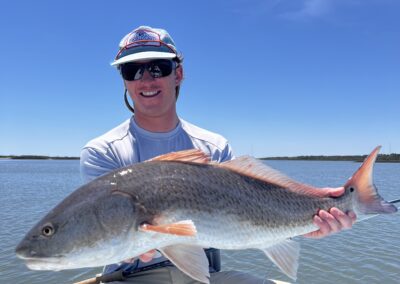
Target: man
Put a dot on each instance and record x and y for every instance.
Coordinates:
(152, 71)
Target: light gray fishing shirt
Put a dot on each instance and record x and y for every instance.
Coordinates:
(128, 144)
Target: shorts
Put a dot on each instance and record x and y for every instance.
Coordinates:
(172, 275)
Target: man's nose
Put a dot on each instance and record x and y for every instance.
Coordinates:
(146, 76)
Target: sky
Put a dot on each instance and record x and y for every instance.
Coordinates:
(275, 77)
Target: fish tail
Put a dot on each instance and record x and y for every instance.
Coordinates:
(366, 197)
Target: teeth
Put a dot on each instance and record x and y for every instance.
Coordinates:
(150, 93)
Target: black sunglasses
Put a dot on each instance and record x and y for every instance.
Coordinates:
(132, 71)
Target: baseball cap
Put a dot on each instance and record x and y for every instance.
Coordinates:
(146, 43)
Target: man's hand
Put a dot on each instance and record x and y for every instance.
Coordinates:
(333, 221)
(146, 257)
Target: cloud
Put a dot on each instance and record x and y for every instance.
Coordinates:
(316, 8)
(310, 9)
(287, 9)
(254, 7)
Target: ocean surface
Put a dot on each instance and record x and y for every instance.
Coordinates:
(369, 253)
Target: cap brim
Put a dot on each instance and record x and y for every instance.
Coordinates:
(144, 56)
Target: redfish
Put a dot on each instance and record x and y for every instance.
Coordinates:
(180, 203)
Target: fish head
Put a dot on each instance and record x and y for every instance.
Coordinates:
(82, 231)
(365, 197)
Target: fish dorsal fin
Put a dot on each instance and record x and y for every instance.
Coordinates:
(192, 156)
(249, 166)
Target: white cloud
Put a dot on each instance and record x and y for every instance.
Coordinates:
(310, 9)
(316, 8)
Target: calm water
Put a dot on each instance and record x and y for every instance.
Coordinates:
(369, 253)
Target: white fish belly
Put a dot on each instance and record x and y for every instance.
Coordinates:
(230, 232)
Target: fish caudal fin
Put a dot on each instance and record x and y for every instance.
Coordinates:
(189, 259)
(368, 201)
(285, 255)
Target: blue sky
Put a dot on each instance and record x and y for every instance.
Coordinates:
(275, 77)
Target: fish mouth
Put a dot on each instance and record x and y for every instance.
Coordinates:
(149, 94)
(43, 263)
(37, 262)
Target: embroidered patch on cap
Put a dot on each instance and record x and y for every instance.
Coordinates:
(139, 37)
(146, 43)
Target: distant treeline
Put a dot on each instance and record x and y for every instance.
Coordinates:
(382, 158)
(36, 157)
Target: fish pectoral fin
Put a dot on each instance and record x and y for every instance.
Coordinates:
(285, 255)
(182, 228)
(189, 259)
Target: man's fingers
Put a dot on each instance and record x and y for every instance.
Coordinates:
(331, 222)
(328, 223)
(148, 256)
(334, 192)
(324, 228)
(345, 220)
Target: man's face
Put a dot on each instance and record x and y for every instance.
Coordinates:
(154, 97)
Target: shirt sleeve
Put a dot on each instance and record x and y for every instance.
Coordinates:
(94, 163)
(227, 153)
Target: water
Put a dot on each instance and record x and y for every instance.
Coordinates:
(369, 253)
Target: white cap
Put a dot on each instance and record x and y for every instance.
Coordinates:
(146, 43)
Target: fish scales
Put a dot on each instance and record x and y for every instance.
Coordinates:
(193, 188)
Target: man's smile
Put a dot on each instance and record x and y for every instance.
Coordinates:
(150, 94)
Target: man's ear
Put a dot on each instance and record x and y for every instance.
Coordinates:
(178, 75)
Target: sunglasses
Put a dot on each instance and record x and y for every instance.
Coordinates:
(132, 71)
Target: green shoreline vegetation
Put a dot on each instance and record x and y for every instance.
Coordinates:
(37, 157)
(382, 158)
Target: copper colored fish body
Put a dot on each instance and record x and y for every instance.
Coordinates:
(180, 203)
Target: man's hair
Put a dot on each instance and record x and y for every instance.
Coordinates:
(178, 61)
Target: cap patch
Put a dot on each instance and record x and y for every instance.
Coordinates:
(140, 37)
(146, 43)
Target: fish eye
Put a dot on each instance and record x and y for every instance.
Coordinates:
(351, 189)
(48, 230)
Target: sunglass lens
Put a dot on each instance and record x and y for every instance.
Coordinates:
(160, 68)
(131, 71)
(157, 69)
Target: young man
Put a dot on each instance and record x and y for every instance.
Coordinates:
(152, 71)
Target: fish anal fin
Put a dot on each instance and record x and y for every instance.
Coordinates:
(285, 255)
(189, 259)
(192, 156)
(251, 167)
(182, 228)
